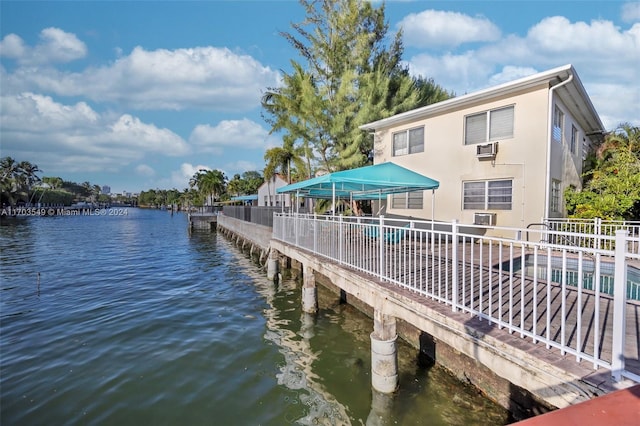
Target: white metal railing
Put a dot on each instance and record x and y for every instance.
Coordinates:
(567, 297)
(583, 230)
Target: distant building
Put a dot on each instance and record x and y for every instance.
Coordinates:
(267, 193)
(106, 189)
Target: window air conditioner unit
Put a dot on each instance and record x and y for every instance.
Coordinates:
(487, 219)
(488, 150)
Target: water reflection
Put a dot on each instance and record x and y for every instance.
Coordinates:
(381, 413)
(296, 373)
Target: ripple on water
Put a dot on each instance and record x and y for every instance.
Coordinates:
(133, 320)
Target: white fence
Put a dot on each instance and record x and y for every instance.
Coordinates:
(584, 232)
(571, 298)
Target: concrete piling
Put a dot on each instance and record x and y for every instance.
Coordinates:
(272, 265)
(384, 357)
(309, 291)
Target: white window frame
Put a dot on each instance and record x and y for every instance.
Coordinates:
(558, 124)
(555, 196)
(489, 126)
(407, 145)
(408, 200)
(484, 194)
(574, 139)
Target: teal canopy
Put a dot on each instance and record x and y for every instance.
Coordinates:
(364, 183)
(253, 197)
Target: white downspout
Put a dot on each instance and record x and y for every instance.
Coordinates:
(549, 140)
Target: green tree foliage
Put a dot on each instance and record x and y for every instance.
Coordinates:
(52, 197)
(251, 181)
(611, 187)
(353, 75)
(159, 198)
(234, 187)
(210, 184)
(17, 180)
(280, 159)
(53, 182)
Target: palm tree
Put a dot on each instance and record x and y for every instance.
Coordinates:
(625, 138)
(95, 191)
(234, 187)
(53, 182)
(17, 179)
(210, 183)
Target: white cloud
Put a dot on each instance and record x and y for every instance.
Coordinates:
(242, 166)
(631, 11)
(55, 46)
(12, 46)
(557, 34)
(604, 55)
(180, 178)
(239, 134)
(70, 138)
(510, 73)
(432, 28)
(195, 78)
(130, 131)
(461, 73)
(144, 170)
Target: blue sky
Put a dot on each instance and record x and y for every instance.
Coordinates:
(140, 95)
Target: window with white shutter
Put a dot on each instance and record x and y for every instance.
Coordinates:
(489, 126)
(487, 195)
(408, 141)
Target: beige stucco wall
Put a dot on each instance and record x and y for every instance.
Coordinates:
(268, 189)
(522, 158)
(566, 166)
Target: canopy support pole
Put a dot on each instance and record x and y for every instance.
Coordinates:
(333, 198)
(433, 207)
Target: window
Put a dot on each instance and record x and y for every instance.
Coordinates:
(407, 200)
(555, 196)
(487, 195)
(408, 142)
(558, 123)
(574, 139)
(489, 126)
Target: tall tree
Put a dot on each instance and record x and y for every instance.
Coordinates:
(251, 181)
(611, 188)
(210, 183)
(53, 182)
(17, 180)
(234, 187)
(352, 76)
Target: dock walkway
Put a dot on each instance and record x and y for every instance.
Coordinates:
(515, 299)
(531, 325)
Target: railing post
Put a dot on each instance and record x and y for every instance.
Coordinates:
(454, 265)
(597, 231)
(619, 305)
(340, 239)
(381, 248)
(316, 225)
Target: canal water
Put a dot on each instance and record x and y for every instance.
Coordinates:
(130, 319)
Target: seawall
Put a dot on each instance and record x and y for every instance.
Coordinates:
(500, 365)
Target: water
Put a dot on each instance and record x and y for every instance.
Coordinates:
(131, 320)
